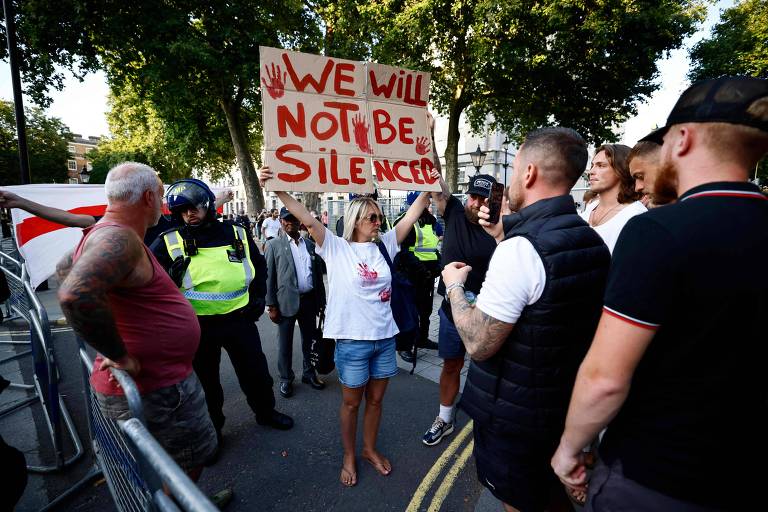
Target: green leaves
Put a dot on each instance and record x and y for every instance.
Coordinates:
(738, 44)
(47, 139)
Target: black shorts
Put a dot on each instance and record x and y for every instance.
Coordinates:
(516, 470)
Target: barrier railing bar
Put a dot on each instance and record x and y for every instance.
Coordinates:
(164, 503)
(25, 304)
(184, 490)
(156, 467)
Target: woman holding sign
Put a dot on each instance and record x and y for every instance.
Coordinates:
(363, 327)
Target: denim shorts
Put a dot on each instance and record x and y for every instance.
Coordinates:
(449, 344)
(176, 416)
(357, 361)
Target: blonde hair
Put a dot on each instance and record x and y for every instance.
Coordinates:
(734, 142)
(354, 212)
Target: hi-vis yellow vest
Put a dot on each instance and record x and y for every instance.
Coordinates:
(213, 284)
(425, 247)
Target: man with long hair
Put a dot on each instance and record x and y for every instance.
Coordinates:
(617, 202)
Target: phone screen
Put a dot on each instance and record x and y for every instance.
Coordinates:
(494, 202)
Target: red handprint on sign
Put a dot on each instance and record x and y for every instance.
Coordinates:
(361, 134)
(276, 85)
(422, 145)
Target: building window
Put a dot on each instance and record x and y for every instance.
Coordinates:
(72, 165)
(73, 181)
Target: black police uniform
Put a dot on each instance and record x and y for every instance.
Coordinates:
(233, 331)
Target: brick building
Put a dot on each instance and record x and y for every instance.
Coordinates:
(78, 148)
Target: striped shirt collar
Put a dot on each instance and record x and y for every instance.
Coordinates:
(736, 189)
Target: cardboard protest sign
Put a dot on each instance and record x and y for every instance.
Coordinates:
(338, 125)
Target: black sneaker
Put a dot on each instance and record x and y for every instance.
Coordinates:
(407, 356)
(437, 432)
(275, 420)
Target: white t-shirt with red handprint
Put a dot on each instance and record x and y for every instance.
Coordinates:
(359, 288)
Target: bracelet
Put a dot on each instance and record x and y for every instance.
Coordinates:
(451, 287)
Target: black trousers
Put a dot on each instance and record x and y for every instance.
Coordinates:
(307, 318)
(240, 338)
(424, 298)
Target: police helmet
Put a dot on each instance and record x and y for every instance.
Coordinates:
(190, 193)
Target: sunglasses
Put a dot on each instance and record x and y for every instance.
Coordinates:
(372, 218)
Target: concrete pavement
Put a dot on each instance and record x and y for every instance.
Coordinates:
(299, 469)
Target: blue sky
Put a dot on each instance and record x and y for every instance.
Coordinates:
(82, 105)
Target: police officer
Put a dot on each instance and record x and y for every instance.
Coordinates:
(222, 274)
(422, 243)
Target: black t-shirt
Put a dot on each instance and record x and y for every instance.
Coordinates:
(466, 242)
(694, 421)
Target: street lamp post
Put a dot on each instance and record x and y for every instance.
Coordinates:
(505, 145)
(478, 158)
(85, 174)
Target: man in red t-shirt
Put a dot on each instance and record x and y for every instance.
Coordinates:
(119, 299)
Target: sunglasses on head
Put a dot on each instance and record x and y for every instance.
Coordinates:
(372, 218)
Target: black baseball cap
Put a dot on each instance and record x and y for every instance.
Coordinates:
(719, 100)
(480, 185)
(286, 214)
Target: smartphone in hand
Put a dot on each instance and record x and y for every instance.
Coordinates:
(494, 202)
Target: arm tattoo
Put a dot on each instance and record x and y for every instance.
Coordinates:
(64, 266)
(482, 334)
(109, 255)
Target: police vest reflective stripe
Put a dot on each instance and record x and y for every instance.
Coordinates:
(212, 283)
(425, 247)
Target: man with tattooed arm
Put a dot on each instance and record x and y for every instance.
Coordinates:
(535, 316)
(119, 299)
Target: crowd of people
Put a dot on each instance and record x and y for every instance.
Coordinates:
(615, 352)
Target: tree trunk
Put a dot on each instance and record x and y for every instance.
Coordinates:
(452, 148)
(238, 133)
(312, 201)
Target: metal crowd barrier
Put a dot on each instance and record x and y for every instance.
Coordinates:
(133, 463)
(45, 388)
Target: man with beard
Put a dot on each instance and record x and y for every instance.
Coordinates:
(465, 240)
(676, 368)
(223, 275)
(616, 202)
(271, 225)
(643, 162)
(535, 315)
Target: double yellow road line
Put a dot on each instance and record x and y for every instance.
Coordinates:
(447, 458)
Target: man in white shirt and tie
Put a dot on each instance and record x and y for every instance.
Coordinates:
(295, 292)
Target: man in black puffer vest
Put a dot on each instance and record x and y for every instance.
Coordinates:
(534, 319)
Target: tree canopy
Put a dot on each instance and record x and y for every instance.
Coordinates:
(738, 44)
(516, 64)
(47, 140)
(523, 64)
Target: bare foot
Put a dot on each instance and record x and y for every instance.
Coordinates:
(348, 471)
(378, 461)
